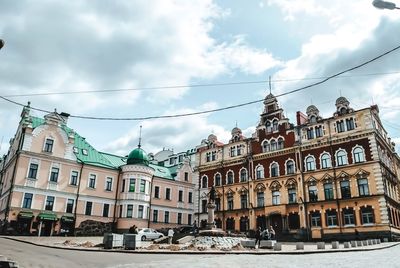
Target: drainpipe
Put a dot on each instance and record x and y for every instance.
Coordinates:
(151, 194)
(77, 193)
(116, 199)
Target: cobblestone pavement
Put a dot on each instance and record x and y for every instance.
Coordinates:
(33, 256)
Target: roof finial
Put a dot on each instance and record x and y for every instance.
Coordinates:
(140, 137)
(236, 123)
(270, 86)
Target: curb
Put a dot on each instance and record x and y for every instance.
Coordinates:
(207, 252)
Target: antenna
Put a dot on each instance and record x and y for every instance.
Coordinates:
(270, 86)
(236, 123)
(140, 137)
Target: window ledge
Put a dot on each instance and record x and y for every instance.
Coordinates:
(73, 185)
(90, 188)
(368, 224)
(349, 225)
(333, 226)
(31, 179)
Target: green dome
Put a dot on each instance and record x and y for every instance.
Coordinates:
(138, 156)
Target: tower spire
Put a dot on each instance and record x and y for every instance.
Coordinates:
(140, 137)
(270, 85)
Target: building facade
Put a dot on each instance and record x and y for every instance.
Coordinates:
(53, 181)
(322, 178)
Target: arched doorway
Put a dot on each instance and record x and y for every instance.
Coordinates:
(275, 220)
(244, 224)
(261, 222)
(230, 224)
(218, 223)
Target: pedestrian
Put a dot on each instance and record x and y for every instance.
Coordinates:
(265, 234)
(258, 236)
(271, 232)
(170, 235)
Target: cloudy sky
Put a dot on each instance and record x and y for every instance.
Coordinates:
(72, 46)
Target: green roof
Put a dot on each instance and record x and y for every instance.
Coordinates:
(138, 156)
(161, 172)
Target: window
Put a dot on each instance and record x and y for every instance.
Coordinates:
(310, 163)
(189, 218)
(33, 168)
(315, 219)
(217, 179)
(326, 161)
(313, 192)
(140, 212)
(328, 190)
(213, 156)
(123, 186)
(129, 211)
(48, 146)
(88, 209)
(180, 158)
(268, 126)
(273, 145)
(180, 196)
(190, 197)
(243, 201)
(243, 175)
(92, 181)
(239, 150)
(259, 172)
(179, 218)
(349, 124)
(341, 158)
(275, 125)
(348, 216)
(310, 133)
(132, 185)
(290, 167)
(204, 182)
(345, 189)
(358, 155)
(75, 149)
(166, 217)
(168, 193)
(156, 191)
(281, 143)
(120, 211)
(70, 206)
(208, 157)
(106, 210)
(340, 126)
(155, 215)
(274, 170)
(74, 178)
(233, 151)
(367, 215)
(49, 203)
(331, 218)
(363, 187)
(109, 184)
(142, 186)
(204, 206)
(229, 176)
(292, 195)
(230, 202)
(172, 161)
(265, 147)
(260, 199)
(54, 174)
(84, 152)
(319, 132)
(27, 203)
(276, 197)
(186, 176)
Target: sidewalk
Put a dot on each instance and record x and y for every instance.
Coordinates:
(93, 244)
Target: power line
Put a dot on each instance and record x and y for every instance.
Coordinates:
(218, 109)
(189, 86)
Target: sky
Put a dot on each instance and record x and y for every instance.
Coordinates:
(179, 47)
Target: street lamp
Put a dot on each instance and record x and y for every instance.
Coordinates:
(1, 43)
(384, 5)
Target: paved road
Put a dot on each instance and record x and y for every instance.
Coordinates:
(33, 256)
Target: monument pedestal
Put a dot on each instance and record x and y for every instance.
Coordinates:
(211, 229)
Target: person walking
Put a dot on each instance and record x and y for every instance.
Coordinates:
(265, 234)
(272, 232)
(258, 236)
(170, 235)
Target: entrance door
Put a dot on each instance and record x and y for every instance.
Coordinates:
(47, 227)
(261, 222)
(276, 222)
(24, 226)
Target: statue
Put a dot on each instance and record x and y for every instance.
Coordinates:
(212, 195)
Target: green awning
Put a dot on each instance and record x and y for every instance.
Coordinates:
(49, 216)
(25, 214)
(67, 218)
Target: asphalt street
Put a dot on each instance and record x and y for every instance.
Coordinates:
(34, 256)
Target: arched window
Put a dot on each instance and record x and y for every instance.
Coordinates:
(204, 182)
(229, 177)
(273, 145)
(265, 146)
(281, 143)
(326, 160)
(217, 179)
(358, 154)
(260, 172)
(243, 175)
(268, 126)
(289, 167)
(341, 158)
(310, 163)
(274, 170)
(275, 125)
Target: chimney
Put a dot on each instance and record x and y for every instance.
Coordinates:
(64, 116)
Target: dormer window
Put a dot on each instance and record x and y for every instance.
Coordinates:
(275, 125)
(76, 150)
(84, 152)
(48, 145)
(313, 119)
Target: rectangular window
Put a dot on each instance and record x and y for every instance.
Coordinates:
(142, 186)
(349, 124)
(243, 201)
(292, 195)
(123, 186)
(54, 174)
(166, 217)
(340, 126)
(208, 157)
(328, 190)
(186, 176)
(190, 199)
(318, 132)
(70, 205)
(109, 183)
(310, 133)
(190, 218)
(168, 193)
(180, 158)
(213, 156)
(217, 204)
(49, 203)
(74, 178)
(33, 168)
(233, 151)
(312, 193)
(27, 200)
(315, 219)
(155, 215)
(106, 209)
(88, 210)
(156, 191)
(345, 189)
(276, 198)
(92, 181)
(132, 185)
(48, 146)
(179, 218)
(180, 196)
(129, 211)
(230, 202)
(260, 199)
(363, 187)
(203, 206)
(348, 217)
(140, 212)
(331, 218)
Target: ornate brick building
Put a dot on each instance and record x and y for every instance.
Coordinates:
(322, 178)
